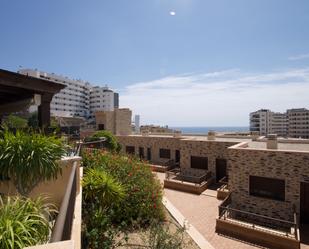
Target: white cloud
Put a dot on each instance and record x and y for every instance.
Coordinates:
(299, 57)
(222, 98)
(172, 13)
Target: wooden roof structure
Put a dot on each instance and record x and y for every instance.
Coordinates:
(16, 90)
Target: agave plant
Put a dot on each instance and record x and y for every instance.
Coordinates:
(29, 159)
(24, 222)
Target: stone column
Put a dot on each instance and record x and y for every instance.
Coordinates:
(44, 110)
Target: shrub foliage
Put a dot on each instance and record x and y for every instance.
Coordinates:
(119, 193)
(24, 222)
(29, 158)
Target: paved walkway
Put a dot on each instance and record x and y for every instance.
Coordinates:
(201, 211)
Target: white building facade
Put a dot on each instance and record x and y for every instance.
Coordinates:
(292, 123)
(79, 98)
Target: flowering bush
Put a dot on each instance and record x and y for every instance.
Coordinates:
(143, 199)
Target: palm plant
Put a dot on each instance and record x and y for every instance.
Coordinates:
(24, 222)
(29, 159)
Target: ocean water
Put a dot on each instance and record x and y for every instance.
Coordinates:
(204, 130)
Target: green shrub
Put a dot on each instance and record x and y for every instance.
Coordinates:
(16, 122)
(29, 159)
(101, 192)
(111, 141)
(24, 222)
(101, 188)
(143, 201)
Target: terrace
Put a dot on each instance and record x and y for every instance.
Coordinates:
(188, 180)
(256, 228)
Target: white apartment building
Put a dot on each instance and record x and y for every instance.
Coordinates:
(298, 123)
(102, 99)
(79, 98)
(293, 123)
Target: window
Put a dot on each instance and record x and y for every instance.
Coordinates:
(198, 162)
(165, 153)
(101, 127)
(267, 187)
(130, 150)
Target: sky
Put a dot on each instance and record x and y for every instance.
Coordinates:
(174, 62)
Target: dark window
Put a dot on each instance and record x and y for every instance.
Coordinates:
(267, 187)
(148, 154)
(198, 162)
(165, 153)
(141, 152)
(130, 150)
(101, 127)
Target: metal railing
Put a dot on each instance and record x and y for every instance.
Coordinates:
(224, 184)
(257, 221)
(63, 225)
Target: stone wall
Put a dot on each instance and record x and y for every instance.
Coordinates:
(293, 167)
(210, 149)
(155, 143)
(187, 147)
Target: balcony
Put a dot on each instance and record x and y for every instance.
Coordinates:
(189, 180)
(257, 229)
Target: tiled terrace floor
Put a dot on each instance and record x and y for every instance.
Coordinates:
(201, 211)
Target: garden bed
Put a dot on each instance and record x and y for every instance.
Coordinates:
(138, 238)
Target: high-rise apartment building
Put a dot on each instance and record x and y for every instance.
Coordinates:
(293, 123)
(79, 98)
(298, 122)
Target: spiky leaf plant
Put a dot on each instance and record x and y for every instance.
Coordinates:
(24, 222)
(100, 187)
(29, 158)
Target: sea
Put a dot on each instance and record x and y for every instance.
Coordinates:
(205, 129)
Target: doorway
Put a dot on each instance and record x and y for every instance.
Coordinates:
(177, 156)
(220, 169)
(304, 203)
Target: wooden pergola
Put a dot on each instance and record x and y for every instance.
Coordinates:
(17, 91)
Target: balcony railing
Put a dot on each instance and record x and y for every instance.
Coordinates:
(63, 225)
(259, 222)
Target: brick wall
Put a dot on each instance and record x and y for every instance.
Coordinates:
(293, 167)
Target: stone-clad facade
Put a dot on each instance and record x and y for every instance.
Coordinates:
(244, 158)
(211, 149)
(187, 147)
(153, 142)
(290, 166)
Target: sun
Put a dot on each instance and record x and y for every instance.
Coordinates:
(172, 13)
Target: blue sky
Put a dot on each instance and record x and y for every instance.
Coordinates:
(210, 63)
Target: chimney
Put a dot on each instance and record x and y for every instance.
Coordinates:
(255, 135)
(177, 134)
(272, 142)
(145, 133)
(211, 135)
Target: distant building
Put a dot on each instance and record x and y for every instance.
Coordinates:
(298, 123)
(156, 129)
(137, 123)
(117, 121)
(293, 123)
(102, 99)
(79, 98)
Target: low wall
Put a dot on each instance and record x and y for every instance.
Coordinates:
(263, 238)
(187, 187)
(53, 189)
